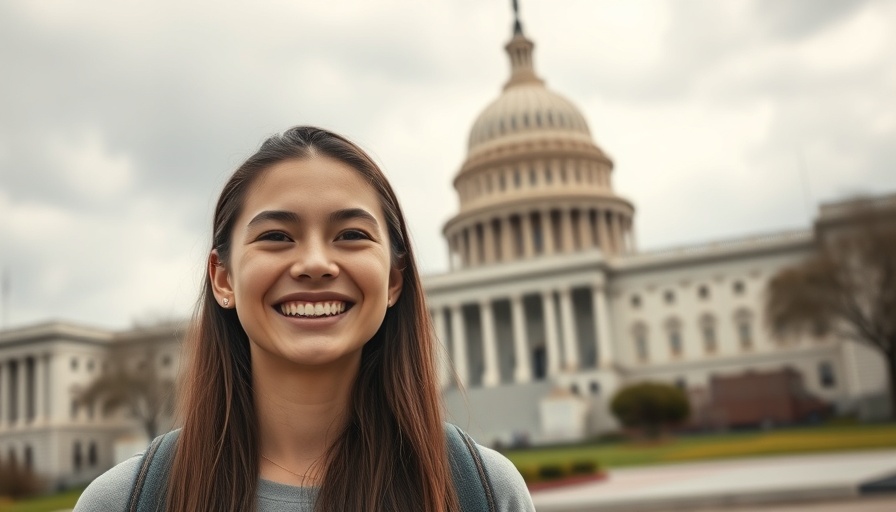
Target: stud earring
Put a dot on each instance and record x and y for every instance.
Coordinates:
(226, 302)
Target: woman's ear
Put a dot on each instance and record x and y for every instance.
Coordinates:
(220, 279)
(396, 281)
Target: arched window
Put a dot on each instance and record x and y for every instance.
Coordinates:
(826, 375)
(639, 337)
(669, 296)
(673, 332)
(77, 458)
(708, 332)
(703, 291)
(92, 458)
(743, 323)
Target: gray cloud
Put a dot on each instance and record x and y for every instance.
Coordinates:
(120, 122)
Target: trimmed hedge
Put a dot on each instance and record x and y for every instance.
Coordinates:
(556, 471)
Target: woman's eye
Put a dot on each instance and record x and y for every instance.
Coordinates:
(274, 236)
(353, 234)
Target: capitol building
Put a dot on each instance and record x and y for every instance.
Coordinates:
(547, 309)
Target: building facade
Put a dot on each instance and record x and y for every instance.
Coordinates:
(43, 424)
(549, 307)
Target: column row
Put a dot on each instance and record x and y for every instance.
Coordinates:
(559, 351)
(23, 390)
(548, 231)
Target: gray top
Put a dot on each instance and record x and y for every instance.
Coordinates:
(110, 491)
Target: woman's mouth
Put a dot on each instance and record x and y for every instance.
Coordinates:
(313, 309)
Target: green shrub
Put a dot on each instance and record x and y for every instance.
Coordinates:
(650, 406)
(551, 472)
(583, 467)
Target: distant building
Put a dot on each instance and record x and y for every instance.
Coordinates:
(547, 310)
(43, 426)
(547, 291)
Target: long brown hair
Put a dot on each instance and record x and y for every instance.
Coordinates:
(391, 454)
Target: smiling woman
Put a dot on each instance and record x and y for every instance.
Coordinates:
(311, 380)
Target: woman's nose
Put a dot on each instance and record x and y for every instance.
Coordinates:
(314, 260)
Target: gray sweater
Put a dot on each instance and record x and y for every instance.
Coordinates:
(110, 491)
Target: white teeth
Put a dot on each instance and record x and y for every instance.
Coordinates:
(312, 309)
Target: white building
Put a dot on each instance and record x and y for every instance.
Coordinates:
(43, 425)
(548, 307)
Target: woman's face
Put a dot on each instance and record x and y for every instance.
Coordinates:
(309, 271)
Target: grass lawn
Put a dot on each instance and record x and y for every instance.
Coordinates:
(717, 446)
(61, 501)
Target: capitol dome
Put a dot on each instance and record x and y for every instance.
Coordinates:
(534, 183)
(528, 109)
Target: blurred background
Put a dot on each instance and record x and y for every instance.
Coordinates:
(734, 121)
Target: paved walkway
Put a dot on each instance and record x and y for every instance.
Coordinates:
(724, 484)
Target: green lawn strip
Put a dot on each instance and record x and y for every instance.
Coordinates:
(62, 501)
(704, 447)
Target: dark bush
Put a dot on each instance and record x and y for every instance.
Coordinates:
(551, 472)
(583, 467)
(650, 406)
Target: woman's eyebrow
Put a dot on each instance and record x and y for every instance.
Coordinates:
(353, 214)
(274, 215)
(292, 217)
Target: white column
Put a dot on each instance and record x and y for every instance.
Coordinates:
(526, 229)
(459, 344)
(616, 233)
(547, 232)
(603, 330)
(523, 371)
(39, 388)
(602, 235)
(488, 239)
(492, 376)
(508, 252)
(566, 230)
(452, 250)
(462, 246)
(474, 246)
(550, 332)
(570, 337)
(584, 229)
(442, 359)
(22, 395)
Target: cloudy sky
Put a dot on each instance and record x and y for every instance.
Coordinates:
(119, 121)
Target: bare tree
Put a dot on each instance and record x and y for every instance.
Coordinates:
(848, 288)
(133, 384)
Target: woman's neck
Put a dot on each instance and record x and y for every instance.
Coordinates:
(301, 412)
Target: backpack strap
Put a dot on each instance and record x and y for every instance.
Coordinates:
(148, 492)
(471, 481)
